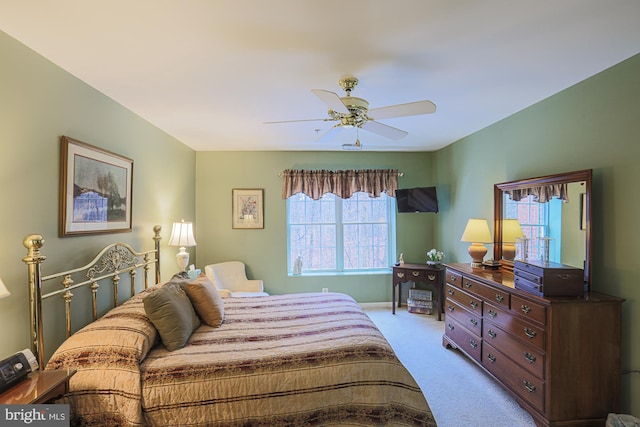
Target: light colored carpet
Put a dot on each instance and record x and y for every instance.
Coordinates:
(459, 393)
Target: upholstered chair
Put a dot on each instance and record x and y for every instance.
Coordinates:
(231, 280)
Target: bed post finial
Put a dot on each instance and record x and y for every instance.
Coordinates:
(33, 259)
(156, 238)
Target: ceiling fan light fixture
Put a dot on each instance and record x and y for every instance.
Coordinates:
(352, 147)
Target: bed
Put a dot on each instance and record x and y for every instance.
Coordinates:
(284, 360)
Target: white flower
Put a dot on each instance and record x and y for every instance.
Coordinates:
(435, 255)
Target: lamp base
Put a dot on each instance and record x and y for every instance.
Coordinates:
(508, 251)
(182, 258)
(477, 251)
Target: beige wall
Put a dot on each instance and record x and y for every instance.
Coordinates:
(592, 125)
(39, 102)
(265, 250)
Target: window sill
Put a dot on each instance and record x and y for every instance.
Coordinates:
(341, 273)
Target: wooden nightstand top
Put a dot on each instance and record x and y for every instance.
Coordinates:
(38, 387)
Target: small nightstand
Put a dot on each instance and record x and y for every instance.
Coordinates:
(39, 387)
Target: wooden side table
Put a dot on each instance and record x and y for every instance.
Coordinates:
(420, 274)
(39, 387)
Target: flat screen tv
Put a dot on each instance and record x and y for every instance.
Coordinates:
(421, 199)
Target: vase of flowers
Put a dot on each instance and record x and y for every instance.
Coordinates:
(435, 257)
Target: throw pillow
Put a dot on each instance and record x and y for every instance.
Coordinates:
(172, 314)
(206, 300)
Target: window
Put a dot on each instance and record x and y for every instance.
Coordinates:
(341, 235)
(539, 223)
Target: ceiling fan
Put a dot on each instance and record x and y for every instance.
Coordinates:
(350, 111)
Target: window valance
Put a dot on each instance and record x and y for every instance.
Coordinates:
(540, 194)
(343, 183)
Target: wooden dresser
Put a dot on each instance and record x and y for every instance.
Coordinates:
(558, 356)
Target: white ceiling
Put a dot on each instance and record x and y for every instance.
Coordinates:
(211, 72)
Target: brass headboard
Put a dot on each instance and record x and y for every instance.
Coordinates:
(111, 262)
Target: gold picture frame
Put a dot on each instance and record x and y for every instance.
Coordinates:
(96, 189)
(247, 208)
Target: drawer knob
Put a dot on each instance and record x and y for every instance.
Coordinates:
(474, 322)
(451, 308)
(473, 343)
(415, 273)
(493, 314)
(499, 297)
(451, 292)
(529, 332)
(525, 309)
(431, 277)
(529, 357)
(491, 358)
(467, 284)
(492, 333)
(400, 275)
(473, 304)
(451, 327)
(530, 387)
(453, 279)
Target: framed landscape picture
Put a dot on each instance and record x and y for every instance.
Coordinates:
(247, 208)
(95, 190)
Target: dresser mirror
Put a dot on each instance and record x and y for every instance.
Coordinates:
(565, 236)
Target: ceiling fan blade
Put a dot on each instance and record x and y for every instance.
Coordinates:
(332, 100)
(384, 130)
(402, 110)
(331, 133)
(302, 120)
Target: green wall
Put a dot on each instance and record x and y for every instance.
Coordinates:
(39, 103)
(264, 251)
(592, 125)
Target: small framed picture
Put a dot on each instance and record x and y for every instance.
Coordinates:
(95, 190)
(247, 208)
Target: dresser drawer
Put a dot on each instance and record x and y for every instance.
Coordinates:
(525, 331)
(528, 357)
(469, 320)
(400, 275)
(528, 286)
(485, 292)
(464, 340)
(537, 279)
(524, 384)
(465, 299)
(454, 279)
(529, 309)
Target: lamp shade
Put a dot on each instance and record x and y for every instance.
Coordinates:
(511, 230)
(476, 231)
(182, 235)
(4, 292)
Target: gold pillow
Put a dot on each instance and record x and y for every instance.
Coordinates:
(206, 300)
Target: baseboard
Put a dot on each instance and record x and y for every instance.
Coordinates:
(382, 304)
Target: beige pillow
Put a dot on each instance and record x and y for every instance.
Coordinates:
(171, 312)
(206, 300)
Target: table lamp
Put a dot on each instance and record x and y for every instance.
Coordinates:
(182, 236)
(511, 232)
(476, 232)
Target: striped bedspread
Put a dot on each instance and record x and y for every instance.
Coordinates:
(284, 360)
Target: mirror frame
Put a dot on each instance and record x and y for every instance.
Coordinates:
(561, 178)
